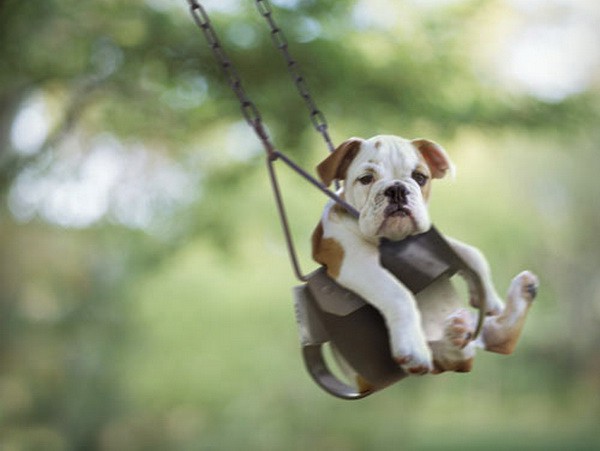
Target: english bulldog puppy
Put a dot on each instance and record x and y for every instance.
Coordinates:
(388, 180)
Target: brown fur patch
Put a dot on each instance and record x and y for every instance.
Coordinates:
(327, 251)
(364, 385)
(501, 346)
(463, 366)
(338, 209)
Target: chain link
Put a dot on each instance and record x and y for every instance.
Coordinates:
(248, 108)
(317, 118)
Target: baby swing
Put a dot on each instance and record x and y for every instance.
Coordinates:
(328, 314)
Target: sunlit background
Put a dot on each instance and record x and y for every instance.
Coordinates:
(145, 290)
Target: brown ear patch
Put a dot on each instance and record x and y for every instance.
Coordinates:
(336, 164)
(327, 251)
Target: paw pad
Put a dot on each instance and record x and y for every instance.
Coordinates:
(531, 290)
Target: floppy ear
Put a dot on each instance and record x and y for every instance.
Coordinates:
(436, 157)
(336, 164)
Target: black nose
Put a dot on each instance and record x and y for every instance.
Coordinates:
(397, 193)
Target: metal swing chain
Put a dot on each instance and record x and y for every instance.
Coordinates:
(254, 119)
(249, 110)
(280, 41)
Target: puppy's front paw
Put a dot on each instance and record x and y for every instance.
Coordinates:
(525, 286)
(413, 355)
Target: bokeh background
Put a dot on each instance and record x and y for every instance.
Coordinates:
(145, 291)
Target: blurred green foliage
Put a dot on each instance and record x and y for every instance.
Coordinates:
(144, 287)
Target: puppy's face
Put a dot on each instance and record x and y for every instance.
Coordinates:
(387, 179)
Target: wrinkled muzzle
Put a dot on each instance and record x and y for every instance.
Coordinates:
(395, 211)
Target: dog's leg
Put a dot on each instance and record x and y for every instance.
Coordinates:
(477, 261)
(455, 351)
(501, 332)
(362, 274)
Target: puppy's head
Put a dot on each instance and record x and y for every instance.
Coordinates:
(388, 180)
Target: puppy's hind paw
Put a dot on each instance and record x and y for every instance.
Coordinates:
(459, 329)
(525, 285)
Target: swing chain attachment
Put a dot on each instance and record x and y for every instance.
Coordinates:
(281, 43)
(254, 119)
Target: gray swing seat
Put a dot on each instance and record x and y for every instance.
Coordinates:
(328, 313)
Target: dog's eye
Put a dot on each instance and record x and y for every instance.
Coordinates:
(420, 178)
(366, 179)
